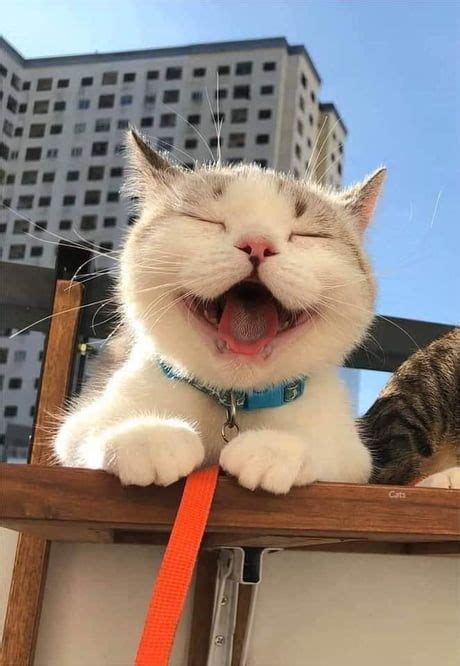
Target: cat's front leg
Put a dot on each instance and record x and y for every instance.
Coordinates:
(270, 459)
(148, 449)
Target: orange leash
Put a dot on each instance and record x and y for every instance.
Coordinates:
(176, 569)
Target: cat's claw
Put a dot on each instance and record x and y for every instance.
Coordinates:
(448, 478)
(272, 460)
(147, 450)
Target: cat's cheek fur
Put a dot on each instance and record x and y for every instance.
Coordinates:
(268, 459)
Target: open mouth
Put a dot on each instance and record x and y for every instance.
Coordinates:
(247, 317)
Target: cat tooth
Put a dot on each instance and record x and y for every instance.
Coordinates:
(267, 350)
(284, 325)
(221, 345)
(211, 317)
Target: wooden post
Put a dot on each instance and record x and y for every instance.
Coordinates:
(30, 566)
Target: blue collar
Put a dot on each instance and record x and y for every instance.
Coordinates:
(274, 396)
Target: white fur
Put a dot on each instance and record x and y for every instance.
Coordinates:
(148, 429)
(448, 478)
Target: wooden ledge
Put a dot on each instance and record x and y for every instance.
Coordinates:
(69, 504)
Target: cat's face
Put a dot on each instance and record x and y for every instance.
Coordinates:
(244, 277)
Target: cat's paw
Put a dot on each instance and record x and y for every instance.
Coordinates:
(268, 459)
(448, 478)
(149, 450)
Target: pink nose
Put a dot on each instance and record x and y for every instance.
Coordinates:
(258, 249)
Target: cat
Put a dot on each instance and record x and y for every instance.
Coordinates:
(238, 282)
(413, 428)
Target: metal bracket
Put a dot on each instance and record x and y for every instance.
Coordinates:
(236, 566)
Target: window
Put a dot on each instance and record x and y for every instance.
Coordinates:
(313, 96)
(168, 120)
(131, 220)
(32, 410)
(88, 222)
(76, 152)
(3, 355)
(116, 172)
(84, 103)
(298, 152)
(301, 103)
(239, 115)
(20, 226)
(40, 355)
(147, 122)
(311, 119)
(65, 225)
(8, 128)
(194, 119)
(340, 148)
(300, 127)
(170, 96)
(237, 140)
(217, 117)
(12, 104)
(22, 108)
(213, 142)
(92, 197)
(36, 251)
(243, 68)
(26, 85)
(18, 131)
(99, 148)
(118, 150)
(40, 226)
(339, 168)
(173, 73)
(44, 202)
(2, 227)
(96, 173)
(4, 151)
(190, 143)
(15, 81)
(56, 129)
(266, 90)
(11, 177)
(3, 70)
(129, 77)
(15, 383)
(332, 157)
(152, 74)
(262, 138)
(63, 83)
(52, 153)
(123, 124)
(149, 100)
(223, 70)
(36, 382)
(72, 176)
(29, 177)
(48, 177)
(109, 78)
(197, 96)
(199, 72)
(87, 81)
(79, 128)
(106, 246)
(106, 101)
(17, 252)
(110, 221)
(25, 201)
(41, 106)
(235, 160)
(165, 142)
(303, 80)
(241, 92)
(126, 100)
(265, 114)
(10, 410)
(102, 125)
(37, 131)
(68, 200)
(261, 163)
(222, 93)
(269, 66)
(113, 196)
(59, 106)
(44, 84)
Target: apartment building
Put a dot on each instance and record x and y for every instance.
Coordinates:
(62, 124)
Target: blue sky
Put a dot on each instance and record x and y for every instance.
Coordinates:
(392, 69)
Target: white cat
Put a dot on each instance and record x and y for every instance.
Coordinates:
(232, 280)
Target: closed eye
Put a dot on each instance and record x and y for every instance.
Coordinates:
(309, 235)
(194, 216)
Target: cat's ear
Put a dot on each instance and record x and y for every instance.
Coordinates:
(360, 199)
(146, 166)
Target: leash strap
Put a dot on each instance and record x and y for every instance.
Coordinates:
(176, 569)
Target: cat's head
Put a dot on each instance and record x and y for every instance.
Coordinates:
(242, 276)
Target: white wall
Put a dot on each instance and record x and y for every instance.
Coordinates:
(315, 608)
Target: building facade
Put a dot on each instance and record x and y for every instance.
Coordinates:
(62, 125)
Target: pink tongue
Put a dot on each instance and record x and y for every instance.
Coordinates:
(247, 326)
